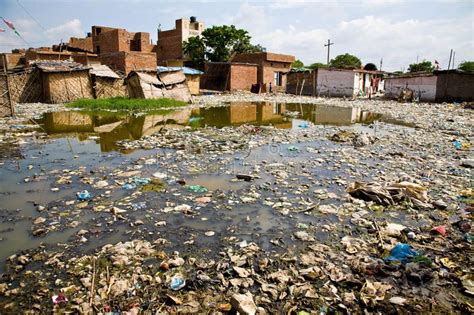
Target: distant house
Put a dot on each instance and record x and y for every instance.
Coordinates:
(192, 76)
(334, 82)
(439, 86)
(229, 76)
(169, 50)
(272, 68)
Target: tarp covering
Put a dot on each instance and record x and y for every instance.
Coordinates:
(143, 85)
(186, 70)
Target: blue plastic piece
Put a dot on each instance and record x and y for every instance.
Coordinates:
(129, 186)
(83, 195)
(177, 283)
(457, 144)
(402, 252)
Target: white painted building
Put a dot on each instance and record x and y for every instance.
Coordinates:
(422, 84)
(335, 82)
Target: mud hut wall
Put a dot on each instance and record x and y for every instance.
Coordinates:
(109, 87)
(193, 82)
(424, 86)
(301, 82)
(63, 87)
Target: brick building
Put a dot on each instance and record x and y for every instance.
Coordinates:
(122, 50)
(81, 44)
(229, 76)
(169, 50)
(271, 67)
(84, 58)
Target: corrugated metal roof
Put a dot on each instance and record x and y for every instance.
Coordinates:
(186, 70)
(103, 71)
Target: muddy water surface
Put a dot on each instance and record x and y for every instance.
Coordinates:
(87, 141)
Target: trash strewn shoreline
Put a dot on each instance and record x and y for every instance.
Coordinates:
(311, 219)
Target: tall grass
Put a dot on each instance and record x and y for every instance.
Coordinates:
(121, 103)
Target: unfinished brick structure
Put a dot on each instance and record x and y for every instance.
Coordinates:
(271, 67)
(81, 44)
(229, 76)
(84, 58)
(169, 50)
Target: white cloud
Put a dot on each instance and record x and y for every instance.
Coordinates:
(35, 36)
(371, 38)
(251, 18)
(71, 28)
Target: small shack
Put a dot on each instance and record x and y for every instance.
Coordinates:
(229, 76)
(149, 85)
(64, 81)
(107, 83)
(437, 86)
(334, 82)
(193, 76)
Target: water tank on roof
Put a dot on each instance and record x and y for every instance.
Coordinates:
(193, 19)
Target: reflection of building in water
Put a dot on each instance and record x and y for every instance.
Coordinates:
(111, 127)
(238, 113)
(59, 122)
(331, 115)
(336, 115)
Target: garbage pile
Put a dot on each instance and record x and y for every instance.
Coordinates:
(250, 219)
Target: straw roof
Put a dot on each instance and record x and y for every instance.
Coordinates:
(103, 71)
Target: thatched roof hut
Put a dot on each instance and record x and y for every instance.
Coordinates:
(192, 76)
(107, 83)
(145, 85)
(64, 81)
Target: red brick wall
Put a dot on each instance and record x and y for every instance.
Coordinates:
(242, 77)
(169, 45)
(84, 44)
(128, 61)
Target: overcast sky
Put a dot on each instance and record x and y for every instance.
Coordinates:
(399, 31)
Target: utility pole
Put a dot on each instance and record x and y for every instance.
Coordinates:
(450, 57)
(381, 62)
(454, 56)
(328, 45)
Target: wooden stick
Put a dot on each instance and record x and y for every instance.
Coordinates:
(92, 284)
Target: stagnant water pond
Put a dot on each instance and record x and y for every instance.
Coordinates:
(87, 141)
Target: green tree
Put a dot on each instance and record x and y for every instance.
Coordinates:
(346, 61)
(370, 66)
(219, 43)
(424, 66)
(297, 64)
(466, 66)
(195, 51)
(317, 65)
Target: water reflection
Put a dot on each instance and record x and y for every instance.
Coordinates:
(109, 127)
